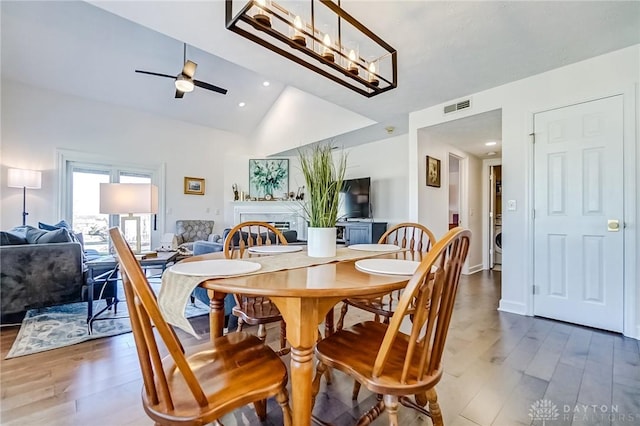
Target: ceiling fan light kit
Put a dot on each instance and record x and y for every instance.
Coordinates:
(323, 38)
(184, 81)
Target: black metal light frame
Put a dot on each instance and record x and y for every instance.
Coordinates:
(344, 77)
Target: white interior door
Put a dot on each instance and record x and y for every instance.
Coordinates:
(579, 250)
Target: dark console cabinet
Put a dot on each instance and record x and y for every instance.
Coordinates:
(360, 232)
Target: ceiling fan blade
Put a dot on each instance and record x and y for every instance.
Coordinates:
(179, 94)
(210, 87)
(189, 68)
(156, 74)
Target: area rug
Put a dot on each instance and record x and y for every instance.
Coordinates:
(55, 327)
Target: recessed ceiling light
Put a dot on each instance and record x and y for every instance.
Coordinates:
(490, 153)
(491, 143)
(241, 104)
(265, 83)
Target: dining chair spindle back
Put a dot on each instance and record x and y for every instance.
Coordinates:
(197, 386)
(390, 362)
(252, 309)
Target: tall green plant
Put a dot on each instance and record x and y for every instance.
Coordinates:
(324, 180)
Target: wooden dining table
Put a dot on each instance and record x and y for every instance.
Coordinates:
(304, 296)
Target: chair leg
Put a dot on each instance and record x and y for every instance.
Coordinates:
(343, 313)
(372, 414)
(262, 332)
(315, 385)
(240, 324)
(356, 390)
(261, 409)
(283, 400)
(434, 407)
(283, 340)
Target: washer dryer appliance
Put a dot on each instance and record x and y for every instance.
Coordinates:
(497, 242)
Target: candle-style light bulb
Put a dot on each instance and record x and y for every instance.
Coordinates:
(261, 16)
(326, 50)
(372, 74)
(298, 35)
(351, 66)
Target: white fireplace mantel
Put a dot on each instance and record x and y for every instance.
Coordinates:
(272, 211)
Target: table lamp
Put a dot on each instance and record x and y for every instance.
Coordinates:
(21, 178)
(129, 199)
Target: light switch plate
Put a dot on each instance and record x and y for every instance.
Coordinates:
(511, 205)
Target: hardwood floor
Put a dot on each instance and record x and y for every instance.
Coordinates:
(496, 366)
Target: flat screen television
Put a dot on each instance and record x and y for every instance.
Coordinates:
(354, 199)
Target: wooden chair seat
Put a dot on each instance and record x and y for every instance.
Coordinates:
(234, 371)
(359, 363)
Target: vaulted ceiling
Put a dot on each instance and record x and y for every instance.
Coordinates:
(446, 50)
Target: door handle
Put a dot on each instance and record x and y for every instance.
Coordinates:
(613, 225)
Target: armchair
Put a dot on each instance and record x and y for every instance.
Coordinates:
(190, 231)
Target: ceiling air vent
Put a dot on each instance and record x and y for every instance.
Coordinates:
(457, 106)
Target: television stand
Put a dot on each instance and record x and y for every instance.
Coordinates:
(365, 232)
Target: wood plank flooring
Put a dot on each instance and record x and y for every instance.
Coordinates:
(496, 366)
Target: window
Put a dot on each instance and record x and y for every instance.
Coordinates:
(80, 199)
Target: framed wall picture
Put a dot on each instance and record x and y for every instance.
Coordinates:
(433, 172)
(269, 179)
(194, 186)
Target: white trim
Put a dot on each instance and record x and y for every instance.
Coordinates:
(473, 269)
(486, 193)
(512, 307)
(157, 171)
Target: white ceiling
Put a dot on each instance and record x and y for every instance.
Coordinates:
(446, 50)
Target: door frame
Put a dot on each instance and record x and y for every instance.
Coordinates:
(486, 193)
(631, 323)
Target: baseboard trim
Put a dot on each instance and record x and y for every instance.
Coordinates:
(474, 269)
(512, 307)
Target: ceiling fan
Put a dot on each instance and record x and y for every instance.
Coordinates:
(184, 81)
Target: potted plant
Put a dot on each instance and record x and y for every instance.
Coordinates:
(323, 177)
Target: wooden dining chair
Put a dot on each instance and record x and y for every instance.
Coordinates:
(412, 236)
(199, 385)
(390, 362)
(252, 309)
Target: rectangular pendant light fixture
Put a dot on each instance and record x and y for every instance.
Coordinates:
(322, 37)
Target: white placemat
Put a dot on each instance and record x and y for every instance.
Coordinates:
(374, 247)
(215, 268)
(274, 249)
(387, 266)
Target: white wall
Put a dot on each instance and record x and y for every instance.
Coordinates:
(298, 118)
(36, 122)
(614, 73)
(434, 202)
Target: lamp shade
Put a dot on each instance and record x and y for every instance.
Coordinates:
(122, 198)
(21, 178)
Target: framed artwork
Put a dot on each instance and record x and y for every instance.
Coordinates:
(433, 172)
(194, 186)
(269, 179)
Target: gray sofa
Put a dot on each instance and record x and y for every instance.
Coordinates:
(41, 268)
(40, 275)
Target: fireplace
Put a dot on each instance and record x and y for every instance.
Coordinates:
(285, 215)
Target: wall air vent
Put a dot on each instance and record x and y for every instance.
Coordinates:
(457, 106)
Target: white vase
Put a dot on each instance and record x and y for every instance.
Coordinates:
(321, 242)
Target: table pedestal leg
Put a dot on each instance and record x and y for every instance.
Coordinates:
(216, 316)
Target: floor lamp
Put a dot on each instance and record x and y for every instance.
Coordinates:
(21, 178)
(129, 199)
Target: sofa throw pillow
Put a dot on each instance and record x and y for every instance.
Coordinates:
(40, 236)
(62, 224)
(8, 238)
